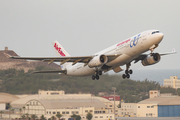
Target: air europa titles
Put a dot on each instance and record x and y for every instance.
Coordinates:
(134, 41)
(126, 41)
(59, 50)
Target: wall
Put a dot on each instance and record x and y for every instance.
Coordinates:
(147, 110)
(2, 106)
(128, 109)
(168, 110)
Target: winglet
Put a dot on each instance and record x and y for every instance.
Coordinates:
(8, 56)
(173, 50)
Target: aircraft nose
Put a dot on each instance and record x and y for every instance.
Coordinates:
(160, 37)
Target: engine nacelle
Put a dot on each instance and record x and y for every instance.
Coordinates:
(98, 61)
(151, 59)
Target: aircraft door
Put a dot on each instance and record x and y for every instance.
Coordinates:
(143, 39)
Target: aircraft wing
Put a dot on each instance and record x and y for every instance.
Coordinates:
(74, 60)
(142, 56)
(173, 52)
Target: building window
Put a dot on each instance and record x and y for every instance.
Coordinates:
(49, 112)
(103, 111)
(138, 106)
(58, 112)
(86, 110)
(91, 110)
(63, 112)
(67, 112)
(110, 105)
(152, 106)
(77, 112)
(101, 116)
(148, 106)
(96, 116)
(54, 112)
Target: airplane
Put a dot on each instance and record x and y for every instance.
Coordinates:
(112, 58)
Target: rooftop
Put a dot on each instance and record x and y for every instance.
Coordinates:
(7, 98)
(163, 100)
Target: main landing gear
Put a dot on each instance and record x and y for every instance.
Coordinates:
(96, 75)
(127, 72)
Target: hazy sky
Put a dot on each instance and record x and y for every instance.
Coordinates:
(85, 27)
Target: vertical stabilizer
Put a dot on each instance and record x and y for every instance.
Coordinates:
(60, 51)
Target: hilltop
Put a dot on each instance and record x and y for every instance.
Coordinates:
(6, 63)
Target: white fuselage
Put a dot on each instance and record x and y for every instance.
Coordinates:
(128, 49)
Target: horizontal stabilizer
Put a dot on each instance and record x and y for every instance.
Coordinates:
(7, 55)
(51, 71)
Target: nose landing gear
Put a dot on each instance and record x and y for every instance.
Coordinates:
(96, 75)
(127, 72)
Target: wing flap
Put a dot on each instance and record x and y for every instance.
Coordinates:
(74, 60)
(82, 59)
(117, 69)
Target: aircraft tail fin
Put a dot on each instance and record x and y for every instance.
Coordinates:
(61, 52)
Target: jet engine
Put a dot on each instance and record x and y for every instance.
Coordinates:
(151, 59)
(98, 61)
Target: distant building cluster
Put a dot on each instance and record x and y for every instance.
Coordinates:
(156, 106)
(50, 103)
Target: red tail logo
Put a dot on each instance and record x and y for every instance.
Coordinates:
(59, 50)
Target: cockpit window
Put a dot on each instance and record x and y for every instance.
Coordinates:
(155, 32)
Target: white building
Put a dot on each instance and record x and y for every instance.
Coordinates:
(127, 109)
(154, 93)
(163, 106)
(43, 92)
(173, 82)
(6, 98)
(50, 103)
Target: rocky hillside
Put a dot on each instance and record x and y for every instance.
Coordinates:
(6, 63)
